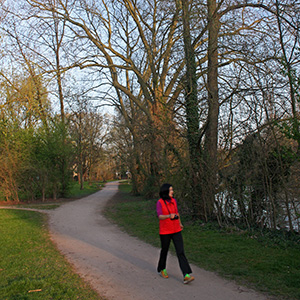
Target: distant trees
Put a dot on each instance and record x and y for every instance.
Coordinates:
(30, 149)
(86, 127)
(38, 152)
(37, 47)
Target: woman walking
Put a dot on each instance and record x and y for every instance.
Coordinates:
(170, 228)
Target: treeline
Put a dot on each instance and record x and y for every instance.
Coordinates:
(41, 153)
(206, 94)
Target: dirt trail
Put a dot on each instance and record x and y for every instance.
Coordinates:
(121, 267)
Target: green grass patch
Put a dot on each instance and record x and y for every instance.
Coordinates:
(243, 257)
(88, 188)
(125, 186)
(74, 193)
(256, 261)
(30, 265)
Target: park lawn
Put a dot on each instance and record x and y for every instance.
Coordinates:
(88, 188)
(30, 265)
(254, 261)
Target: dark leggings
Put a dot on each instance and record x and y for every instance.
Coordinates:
(178, 243)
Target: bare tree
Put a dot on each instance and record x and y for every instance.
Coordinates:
(88, 133)
(149, 69)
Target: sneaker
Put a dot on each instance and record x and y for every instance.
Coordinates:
(188, 278)
(164, 274)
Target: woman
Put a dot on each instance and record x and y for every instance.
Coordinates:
(170, 229)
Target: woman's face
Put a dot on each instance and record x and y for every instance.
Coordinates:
(171, 192)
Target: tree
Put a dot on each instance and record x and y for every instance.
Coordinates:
(31, 152)
(157, 91)
(289, 59)
(88, 133)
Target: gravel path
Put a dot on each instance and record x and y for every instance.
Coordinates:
(122, 267)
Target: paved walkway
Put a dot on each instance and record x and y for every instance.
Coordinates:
(122, 267)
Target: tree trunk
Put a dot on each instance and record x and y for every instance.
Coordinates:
(211, 135)
(191, 99)
(192, 110)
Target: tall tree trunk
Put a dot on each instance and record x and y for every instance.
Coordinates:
(57, 45)
(192, 110)
(191, 99)
(211, 135)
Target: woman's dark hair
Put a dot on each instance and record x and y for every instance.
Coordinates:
(164, 191)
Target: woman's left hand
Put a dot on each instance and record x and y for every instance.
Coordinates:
(181, 226)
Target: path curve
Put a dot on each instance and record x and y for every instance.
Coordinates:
(121, 267)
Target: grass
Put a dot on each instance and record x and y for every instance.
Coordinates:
(88, 188)
(30, 265)
(74, 193)
(259, 262)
